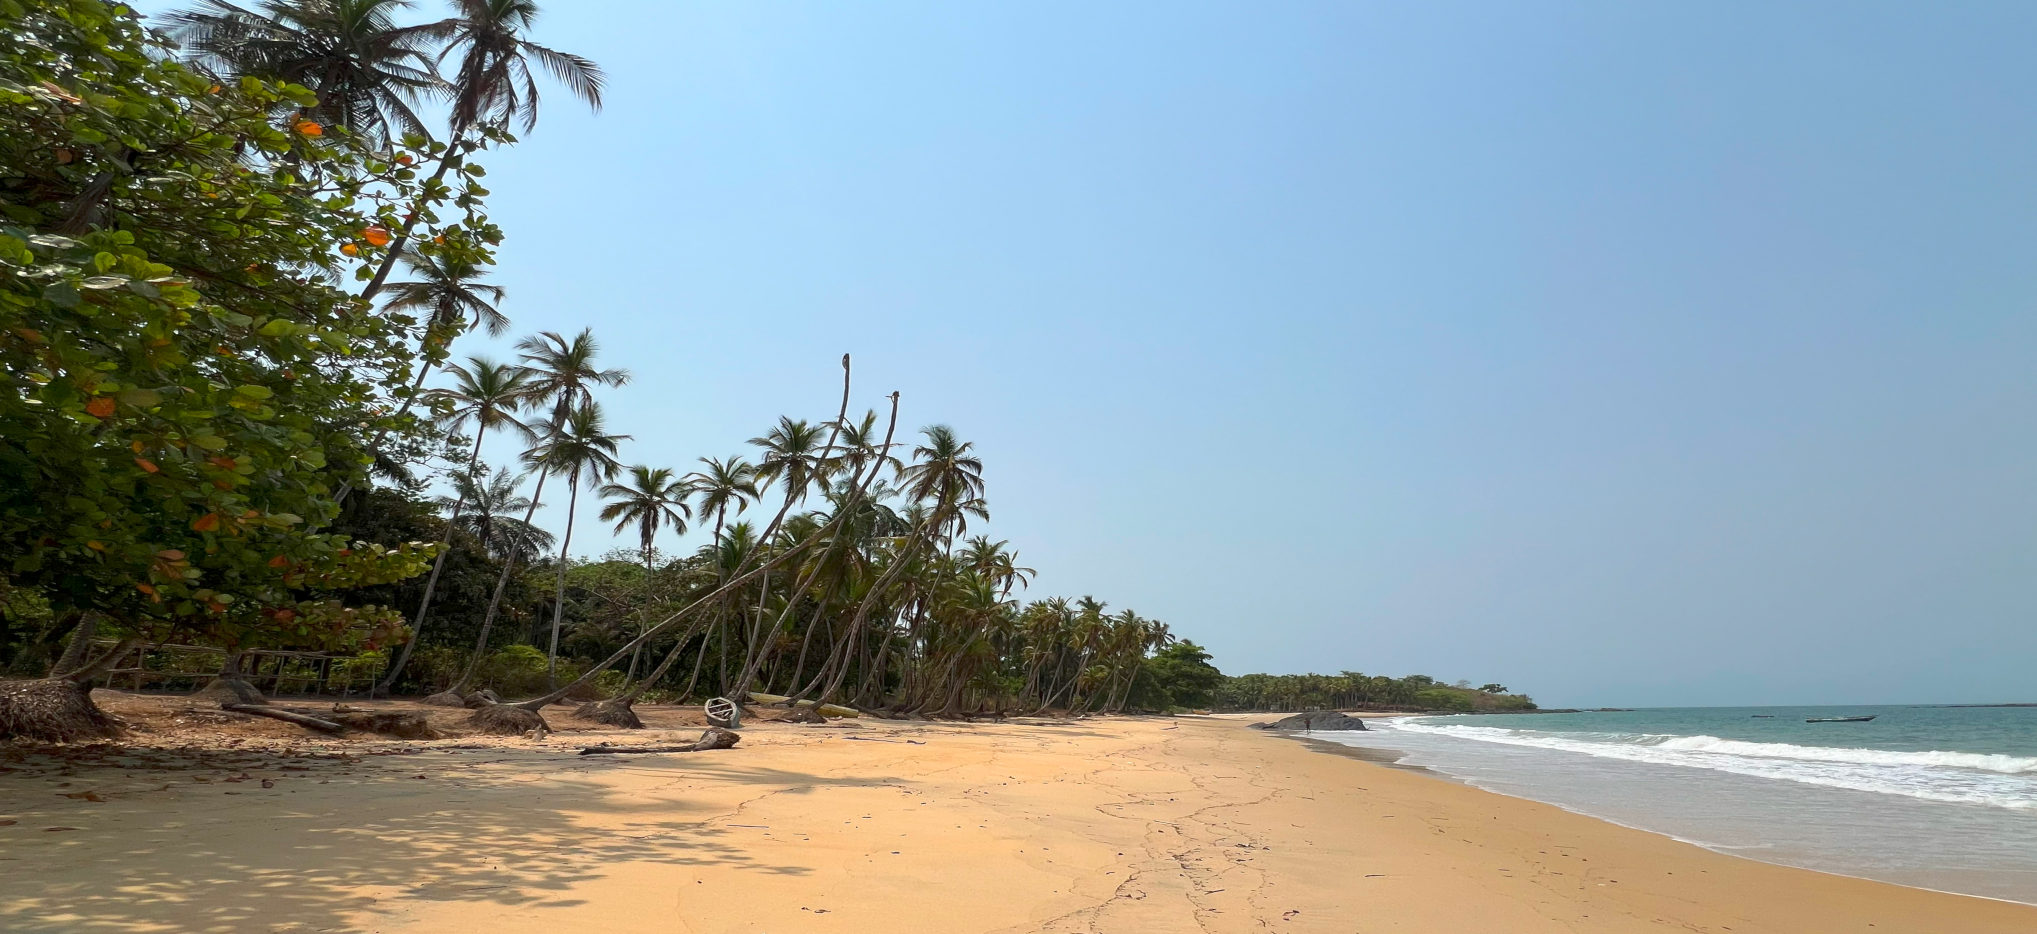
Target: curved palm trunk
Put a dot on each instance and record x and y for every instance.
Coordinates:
(495, 601)
(438, 564)
(559, 589)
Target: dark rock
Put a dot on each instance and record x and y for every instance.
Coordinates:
(1314, 720)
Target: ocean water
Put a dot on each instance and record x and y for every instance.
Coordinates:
(1939, 797)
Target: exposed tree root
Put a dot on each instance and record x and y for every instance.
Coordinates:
(479, 699)
(507, 720)
(615, 712)
(287, 716)
(56, 710)
(445, 699)
(399, 725)
(802, 715)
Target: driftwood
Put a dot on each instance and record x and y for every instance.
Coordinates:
(714, 738)
(278, 713)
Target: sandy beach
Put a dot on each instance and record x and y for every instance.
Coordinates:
(1107, 825)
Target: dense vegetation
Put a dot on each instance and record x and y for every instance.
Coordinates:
(1352, 691)
(234, 261)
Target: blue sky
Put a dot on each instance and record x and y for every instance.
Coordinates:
(1629, 354)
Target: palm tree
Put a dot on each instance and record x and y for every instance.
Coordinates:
(577, 447)
(562, 371)
(367, 71)
(651, 500)
(485, 395)
(494, 500)
(495, 82)
(725, 481)
(448, 290)
(793, 453)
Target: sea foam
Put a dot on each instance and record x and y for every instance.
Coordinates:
(1965, 777)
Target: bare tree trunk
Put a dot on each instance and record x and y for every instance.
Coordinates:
(559, 591)
(438, 564)
(501, 583)
(80, 644)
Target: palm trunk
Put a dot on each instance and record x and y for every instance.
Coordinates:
(438, 564)
(495, 602)
(559, 589)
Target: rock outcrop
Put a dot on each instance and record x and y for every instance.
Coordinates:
(1312, 721)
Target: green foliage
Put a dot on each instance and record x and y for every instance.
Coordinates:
(1351, 690)
(1178, 676)
(185, 384)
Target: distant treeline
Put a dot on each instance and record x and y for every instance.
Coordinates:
(1351, 690)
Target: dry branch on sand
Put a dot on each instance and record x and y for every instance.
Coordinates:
(714, 738)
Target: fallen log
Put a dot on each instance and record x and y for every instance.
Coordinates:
(277, 713)
(714, 738)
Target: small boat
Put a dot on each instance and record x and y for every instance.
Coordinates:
(1764, 716)
(1840, 719)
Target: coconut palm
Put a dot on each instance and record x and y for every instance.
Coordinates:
(494, 83)
(447, 289)
(493, 500)
(650, 501)
(793, 453)
(485, 395)
(578, 447)
(562, 372)
(725, 481)
(368, 72)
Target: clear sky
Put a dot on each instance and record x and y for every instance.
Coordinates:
(1628, 354)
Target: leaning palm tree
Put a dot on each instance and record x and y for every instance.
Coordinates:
(485, 395)
(578, 448)
(649, 502)
(495, 82)
(368, 72)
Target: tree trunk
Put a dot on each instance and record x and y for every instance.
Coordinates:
(559, 591)
(431, 583)
(495, 602)
(79, 646)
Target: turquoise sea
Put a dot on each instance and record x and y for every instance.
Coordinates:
(1932, 796)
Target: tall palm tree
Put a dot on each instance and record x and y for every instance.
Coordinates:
(725, 481)
(650, 501)
(448, 290)
(495, 82)
(578, 447)
(562, 371)
(494, 499)
(368, 72)
(485, 395)
(454, 300)
(792, 453)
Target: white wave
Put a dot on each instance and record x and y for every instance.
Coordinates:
(1965, 777)
(1984, 762)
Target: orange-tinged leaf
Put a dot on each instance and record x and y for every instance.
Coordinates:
(310, 128)
(378, 235)
(215, 606)
(279, 561)
(206, 523)
(146, 588)
(350, 249)
(101, 407)
(96, 545)
(222, 462)
(170, 554)
(146, 464)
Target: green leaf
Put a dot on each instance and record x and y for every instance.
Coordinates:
(62, 295)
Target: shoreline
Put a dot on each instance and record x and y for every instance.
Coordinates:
(1104, 825)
